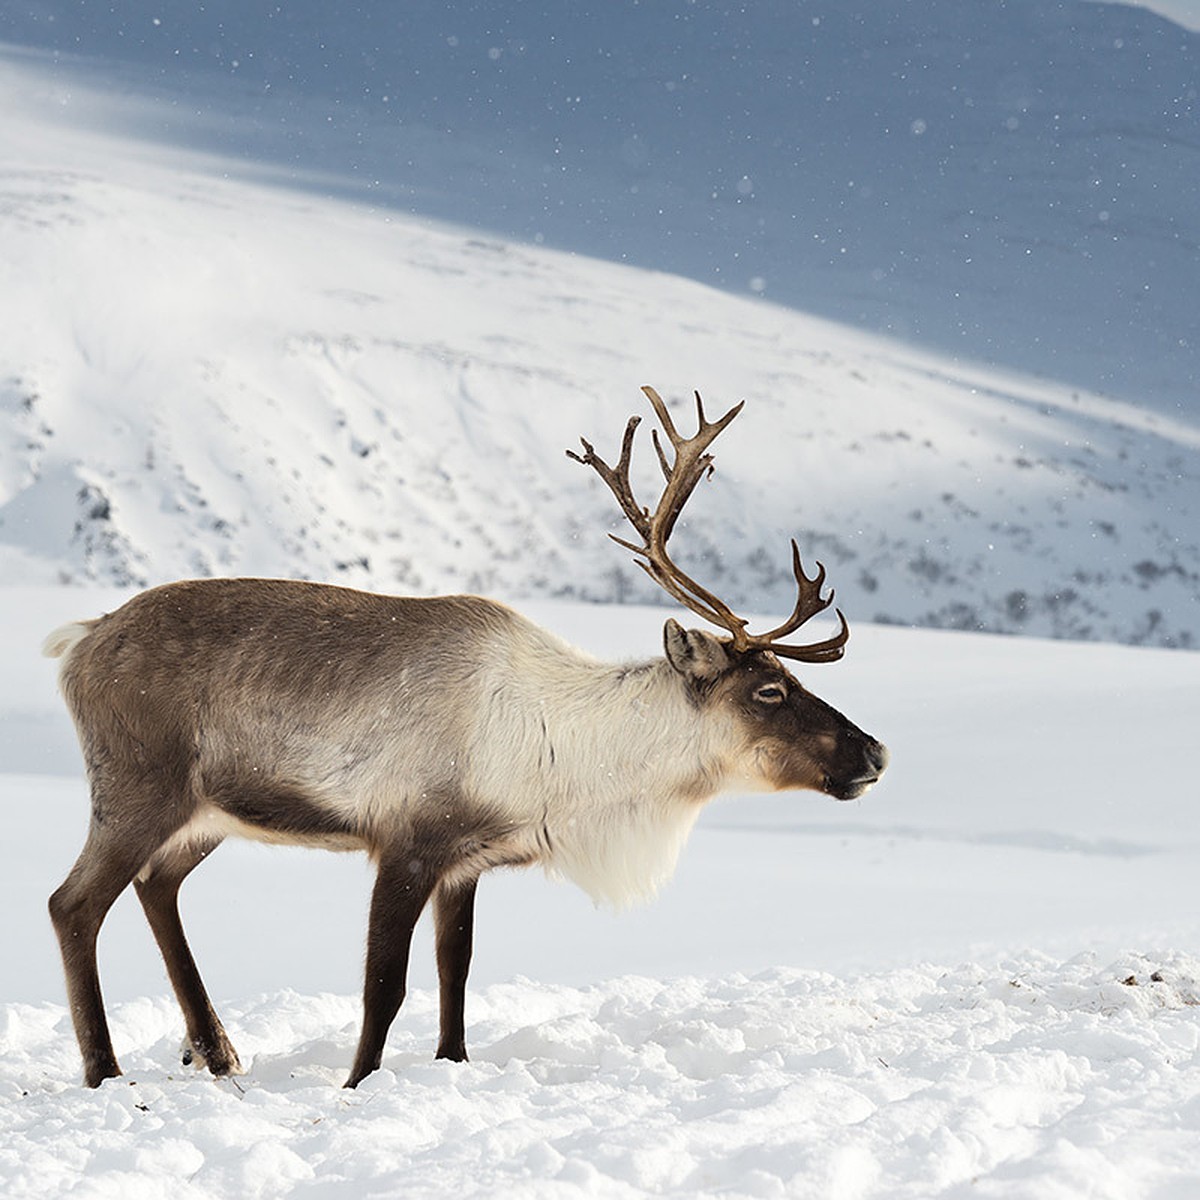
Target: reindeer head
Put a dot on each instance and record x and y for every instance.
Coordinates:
(792, 739)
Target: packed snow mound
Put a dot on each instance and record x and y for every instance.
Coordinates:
(1037, 1077)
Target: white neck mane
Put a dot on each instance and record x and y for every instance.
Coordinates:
(609, 762)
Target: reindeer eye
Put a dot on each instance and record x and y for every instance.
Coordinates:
(770, 693)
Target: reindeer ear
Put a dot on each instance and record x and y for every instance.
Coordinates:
(694, 653)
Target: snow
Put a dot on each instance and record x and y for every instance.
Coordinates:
(1044, 1079)
(981, 978)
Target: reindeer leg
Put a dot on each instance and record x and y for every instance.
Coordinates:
(111, 856)
(158, 889)
(402, 887)
(454, 919)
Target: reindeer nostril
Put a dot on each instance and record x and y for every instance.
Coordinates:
(877, 755)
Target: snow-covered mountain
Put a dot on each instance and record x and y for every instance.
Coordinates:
(232, 346)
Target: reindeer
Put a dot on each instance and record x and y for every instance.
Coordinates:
(444, 736)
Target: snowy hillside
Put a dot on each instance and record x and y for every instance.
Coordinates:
(206, 375)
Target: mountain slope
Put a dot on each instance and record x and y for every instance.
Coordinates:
(209, 376)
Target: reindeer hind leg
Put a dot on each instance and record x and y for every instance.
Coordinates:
(112, 855)
(157, 886)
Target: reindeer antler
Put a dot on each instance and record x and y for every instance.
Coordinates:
(691, 462)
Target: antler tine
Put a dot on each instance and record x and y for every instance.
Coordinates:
(618, 479)
(809, 602)
(830, 650)
(706, 430)
(664, 417)
(705, 461)
(691, 458)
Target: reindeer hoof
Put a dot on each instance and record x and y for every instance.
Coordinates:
(220, 1059)
(95, 1073)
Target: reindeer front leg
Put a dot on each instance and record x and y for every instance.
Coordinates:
(402, 887)
(454, 919)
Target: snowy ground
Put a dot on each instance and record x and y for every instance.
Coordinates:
(980, 980)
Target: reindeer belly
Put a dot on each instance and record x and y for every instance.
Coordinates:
(267, 810)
